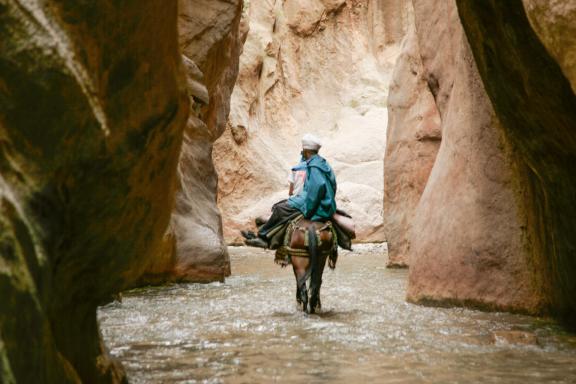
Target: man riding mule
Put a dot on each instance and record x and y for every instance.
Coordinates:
(303, 229)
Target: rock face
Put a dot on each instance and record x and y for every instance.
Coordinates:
(211, 41)
(310, 66)
(92, 107)
(494, 225)
(553, 22)
(466, 236)
(530, 89)
(413, 139)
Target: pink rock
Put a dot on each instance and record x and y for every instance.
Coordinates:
(211, 41)
(413, 139)
(467, 243)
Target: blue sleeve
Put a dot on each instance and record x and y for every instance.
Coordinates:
(315, 191)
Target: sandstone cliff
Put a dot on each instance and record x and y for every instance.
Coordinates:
(310, 66)
(211, 41)
(92, 107)
(530, 89)
(413, 139)
(492, 226)
(467, 240)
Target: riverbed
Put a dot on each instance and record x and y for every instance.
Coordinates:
(249, 330)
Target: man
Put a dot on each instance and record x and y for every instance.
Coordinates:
(316, 201)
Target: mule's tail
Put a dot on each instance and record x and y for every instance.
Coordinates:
(315, 269)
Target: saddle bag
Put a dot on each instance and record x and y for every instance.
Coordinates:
(345, 223)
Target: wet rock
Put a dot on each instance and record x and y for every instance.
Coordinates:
(514, 337)
(318, 66)
(92, 108)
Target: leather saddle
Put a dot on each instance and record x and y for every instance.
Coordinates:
(324, 234)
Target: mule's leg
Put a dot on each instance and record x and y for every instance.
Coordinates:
(298, 297)
(300, 265)
(322, 266)
(315, 285)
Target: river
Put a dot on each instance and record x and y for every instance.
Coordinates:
(248, 330)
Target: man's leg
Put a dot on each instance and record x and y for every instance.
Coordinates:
(281, 212)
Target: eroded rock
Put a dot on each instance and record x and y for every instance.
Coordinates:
(413, 139)
(553, 22)
(467, 244)
(211, 41)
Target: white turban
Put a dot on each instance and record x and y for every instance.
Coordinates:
(310, 141)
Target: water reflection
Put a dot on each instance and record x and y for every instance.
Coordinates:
(248, 330)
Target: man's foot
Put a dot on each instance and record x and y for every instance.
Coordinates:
(256, 242)
(248, 234)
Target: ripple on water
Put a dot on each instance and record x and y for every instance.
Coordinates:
(248, 330)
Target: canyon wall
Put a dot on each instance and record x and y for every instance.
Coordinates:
(92, 108)
(489, 225)
(413, 139)
(532, 90)
(310, 66)
(468, 244)
(210, 40)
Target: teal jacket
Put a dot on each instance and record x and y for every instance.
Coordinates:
(317, 201)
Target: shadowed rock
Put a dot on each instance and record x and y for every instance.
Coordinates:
(92, 107)
(533, 99)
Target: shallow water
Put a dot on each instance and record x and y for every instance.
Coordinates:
(249, 330)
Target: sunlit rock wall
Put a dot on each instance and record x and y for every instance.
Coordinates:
(413, 139)
(310, 66)
(467, 239)
(92, 108)
(211, 41)
(529, 76)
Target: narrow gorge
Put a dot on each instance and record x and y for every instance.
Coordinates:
(310, 66)
(138, 138)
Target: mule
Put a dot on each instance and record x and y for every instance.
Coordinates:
(307, 246)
